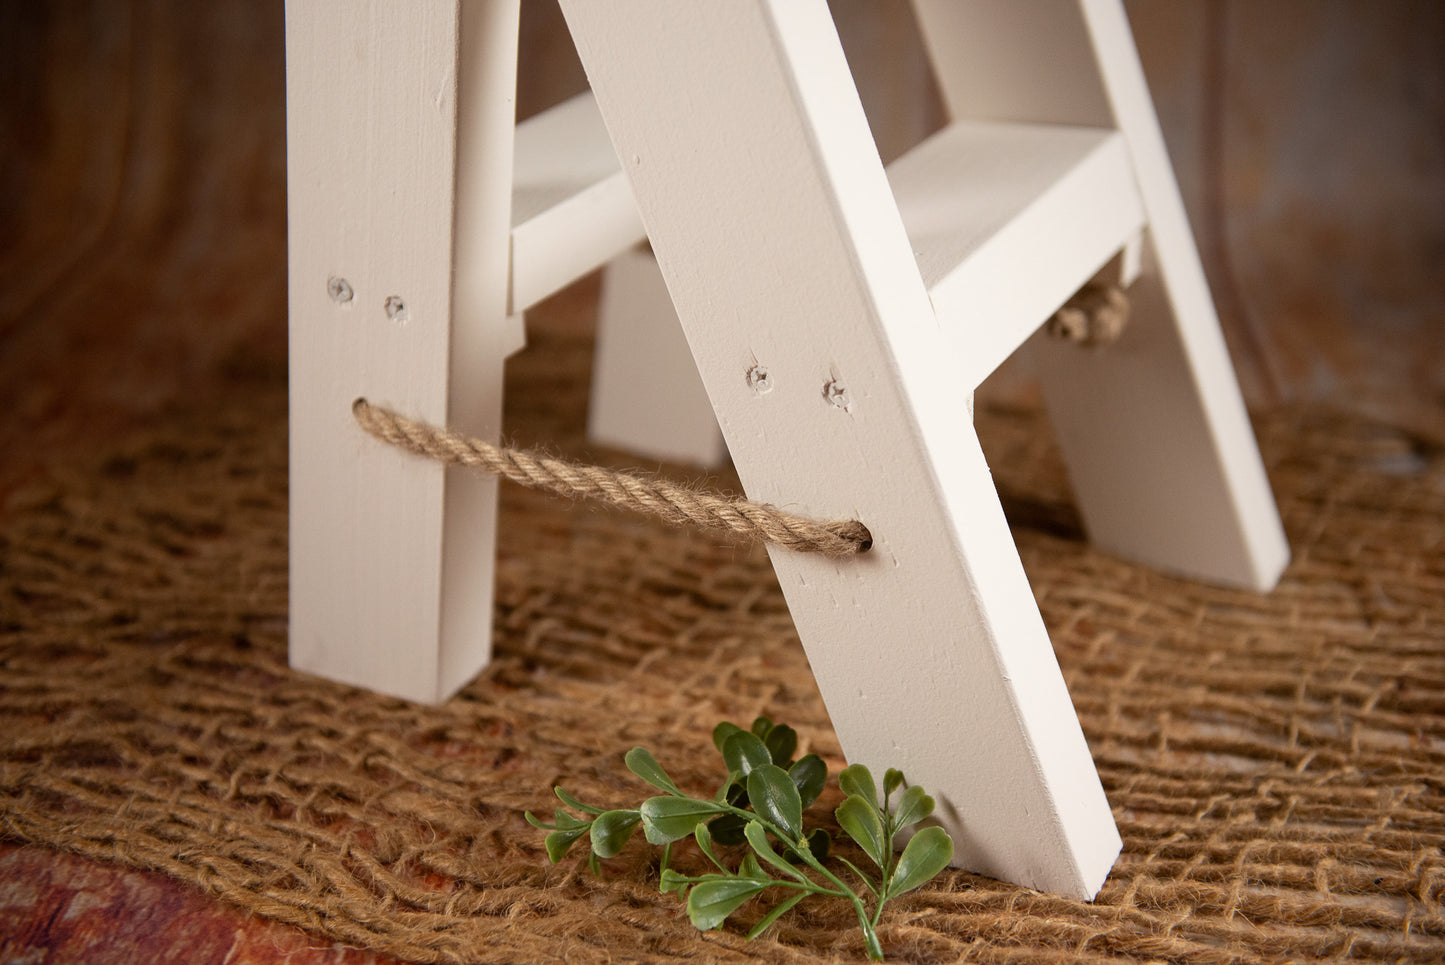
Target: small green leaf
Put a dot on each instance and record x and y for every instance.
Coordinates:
(758, 838)
(809, 775)
(558, 843)
(857, 780)
(749, 868)
(611, 831)
(704, 843)
(928, 852)
(761, 726)
(722, 732)
(781, 741)
(537, 822)
(727, 829)
(775, 797)
(738, 794)
(575, 804)
(820, 842)
(566, 822)
(666, 819)
(743, 752)
(775, 914)
(641, 762)
(867, 880)
(672, 881)
(712, 901)
(892, 781)
(859, 819)
(913, 807)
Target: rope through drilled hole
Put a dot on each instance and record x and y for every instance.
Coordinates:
(1096, 315)
(670, 502)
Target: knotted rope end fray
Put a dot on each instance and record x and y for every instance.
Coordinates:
(673, 503)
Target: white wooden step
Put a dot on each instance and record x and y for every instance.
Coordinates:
(572, 209)
(1009, 220)
(1006, 220)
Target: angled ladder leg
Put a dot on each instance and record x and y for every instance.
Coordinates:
(646, 394)
(392, 556)
(1158, 445)
(773, 223)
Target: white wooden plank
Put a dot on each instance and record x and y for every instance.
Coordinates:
(647, 396)
(372, 183)
(1007, 221)
(773, 223)
(483, 332)
(572, 209)
(1158, 444)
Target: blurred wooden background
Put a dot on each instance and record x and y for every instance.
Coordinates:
(142, 191)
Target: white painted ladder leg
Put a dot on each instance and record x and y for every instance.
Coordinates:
(1159, 448)
(773, 223)
(388, 201)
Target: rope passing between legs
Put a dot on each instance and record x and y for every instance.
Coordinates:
(673, 503)
(1096, 315)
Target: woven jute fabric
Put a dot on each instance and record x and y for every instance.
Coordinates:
(1276, 763)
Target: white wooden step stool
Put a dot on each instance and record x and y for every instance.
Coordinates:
(873, 308)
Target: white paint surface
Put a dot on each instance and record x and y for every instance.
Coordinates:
(572, 209)
(647, 396)
(776, 229)
(1159, 447)
(1007, 221)
(391, 556)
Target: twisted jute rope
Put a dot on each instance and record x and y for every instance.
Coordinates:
(670, 502)
(1096, 315)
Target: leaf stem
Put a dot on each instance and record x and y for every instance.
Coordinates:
(800, 847)
(811, 887)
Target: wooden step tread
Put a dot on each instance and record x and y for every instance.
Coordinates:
(1008, 220)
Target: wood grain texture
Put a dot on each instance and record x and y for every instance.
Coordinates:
(388, 193)
(371, 178)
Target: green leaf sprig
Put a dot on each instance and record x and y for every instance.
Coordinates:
(761, 804)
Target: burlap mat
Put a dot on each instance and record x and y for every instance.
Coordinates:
(1275, 763)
